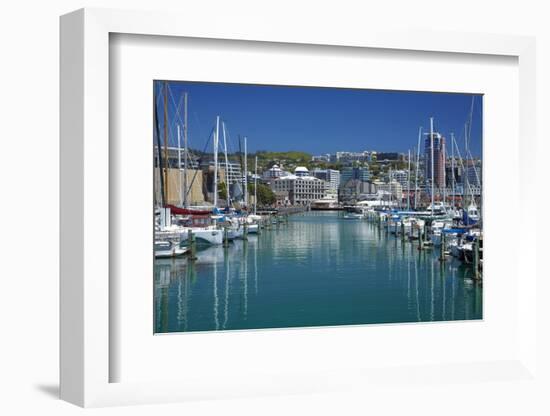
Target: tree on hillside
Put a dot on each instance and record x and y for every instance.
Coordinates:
(265, 195)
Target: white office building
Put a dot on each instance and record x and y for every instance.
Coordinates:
(400, 176)
(331, 176)
(299, 190)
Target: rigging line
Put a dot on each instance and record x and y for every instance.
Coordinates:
(178, 116)
(229, 144)
(160, 104)
(475, 169)
(463, 169)
(177, 112)
(199, 125)
(197, 171)
(471, 121)
(177, 107)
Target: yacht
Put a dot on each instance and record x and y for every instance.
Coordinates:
(168, 248)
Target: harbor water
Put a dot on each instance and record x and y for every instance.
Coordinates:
(317, 269)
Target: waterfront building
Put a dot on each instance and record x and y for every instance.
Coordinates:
(174, 187)
(331, 176)
(354, 190)
(174, 155)
(361, 174)
(299, 190)
(438, 160)
(233, 174)
(391, 187)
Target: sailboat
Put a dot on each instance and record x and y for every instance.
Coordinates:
(168, 248)
(170, 224)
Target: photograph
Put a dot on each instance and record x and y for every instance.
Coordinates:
(283, 206)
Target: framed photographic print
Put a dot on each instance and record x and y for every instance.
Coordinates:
(303, 226)
(281, 212)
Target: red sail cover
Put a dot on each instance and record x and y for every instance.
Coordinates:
(184, 211)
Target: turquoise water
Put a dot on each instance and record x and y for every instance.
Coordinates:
(319, 269)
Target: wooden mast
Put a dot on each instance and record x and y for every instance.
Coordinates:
(159, 152)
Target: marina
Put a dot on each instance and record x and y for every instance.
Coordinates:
(316, 269)
(288, 239)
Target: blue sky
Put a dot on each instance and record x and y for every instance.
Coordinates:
(322, 120)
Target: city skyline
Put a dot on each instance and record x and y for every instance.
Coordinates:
(320, 120)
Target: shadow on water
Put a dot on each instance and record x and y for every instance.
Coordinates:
(318, 269)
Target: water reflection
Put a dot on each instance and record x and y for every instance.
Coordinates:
(316, 270)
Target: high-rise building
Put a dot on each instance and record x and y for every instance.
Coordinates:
(361, 174)
(331, 176)
(438, 160)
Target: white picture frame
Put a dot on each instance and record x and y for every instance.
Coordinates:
(86, 356)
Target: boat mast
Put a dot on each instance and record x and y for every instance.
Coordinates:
(245, 175)
(179, 166)
(216, 136)
(255, 184)
(226, 165)
(159, 152)
(390, 187)
(465, 185)
(432, 159)
(442, 150)
(453, 169)
(417, 166)
(185, 132)
(167, 194)
(409, 183)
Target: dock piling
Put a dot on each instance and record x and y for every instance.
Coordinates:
(442, 248)
(192, 245)
(225, 236)
(476, 259)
